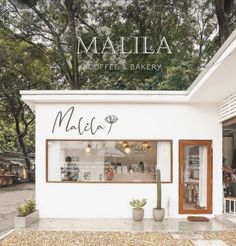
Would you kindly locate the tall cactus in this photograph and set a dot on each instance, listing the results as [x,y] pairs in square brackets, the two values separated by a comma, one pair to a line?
[158,181]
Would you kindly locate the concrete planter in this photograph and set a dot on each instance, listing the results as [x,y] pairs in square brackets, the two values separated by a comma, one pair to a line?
[158,214]
[23,222]
[138,214]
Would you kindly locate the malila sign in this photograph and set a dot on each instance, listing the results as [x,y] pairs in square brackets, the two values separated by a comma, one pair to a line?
[64,121]
[109,46]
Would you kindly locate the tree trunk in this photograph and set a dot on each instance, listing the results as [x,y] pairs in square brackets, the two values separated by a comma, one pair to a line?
[74,45]
[21,142]
[25,152]
[222,21]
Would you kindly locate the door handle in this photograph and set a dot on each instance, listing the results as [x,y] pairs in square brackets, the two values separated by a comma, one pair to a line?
[182,174]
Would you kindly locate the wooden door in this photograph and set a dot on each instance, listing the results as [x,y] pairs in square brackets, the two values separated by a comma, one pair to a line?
[195,176]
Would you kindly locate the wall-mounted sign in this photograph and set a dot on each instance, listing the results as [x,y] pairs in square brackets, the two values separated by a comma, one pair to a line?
[109,46]
[65,121]
[139,149]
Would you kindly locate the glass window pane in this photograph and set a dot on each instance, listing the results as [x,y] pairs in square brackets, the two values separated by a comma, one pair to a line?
[195,177]
[103,161]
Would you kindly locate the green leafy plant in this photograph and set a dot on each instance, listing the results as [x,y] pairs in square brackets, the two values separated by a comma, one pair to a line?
[138,204]
[26,208]
[158,182]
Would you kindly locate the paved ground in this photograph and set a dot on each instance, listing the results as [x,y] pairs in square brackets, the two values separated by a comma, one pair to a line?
[10,198]
[128,225]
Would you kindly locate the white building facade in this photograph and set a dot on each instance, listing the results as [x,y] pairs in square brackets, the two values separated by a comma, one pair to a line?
[97,150]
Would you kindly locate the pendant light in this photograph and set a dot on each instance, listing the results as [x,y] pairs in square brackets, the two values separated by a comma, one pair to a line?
[124,144]
[87,148]
[145,145]
[127,149]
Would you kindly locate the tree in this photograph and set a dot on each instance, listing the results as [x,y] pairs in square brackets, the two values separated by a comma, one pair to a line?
[39,49]
[189,26]
[225,12]
[55,24]
[21,67]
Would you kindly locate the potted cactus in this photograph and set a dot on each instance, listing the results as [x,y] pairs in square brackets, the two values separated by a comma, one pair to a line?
[158,212]
[138,211]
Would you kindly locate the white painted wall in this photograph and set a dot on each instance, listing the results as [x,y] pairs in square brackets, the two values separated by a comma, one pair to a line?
[136,121]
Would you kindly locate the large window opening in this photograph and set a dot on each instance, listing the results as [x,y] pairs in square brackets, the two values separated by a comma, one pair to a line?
[108,161]
[229,165]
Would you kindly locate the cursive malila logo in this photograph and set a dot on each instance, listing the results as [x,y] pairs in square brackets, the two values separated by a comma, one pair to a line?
[69,122]
[111,119]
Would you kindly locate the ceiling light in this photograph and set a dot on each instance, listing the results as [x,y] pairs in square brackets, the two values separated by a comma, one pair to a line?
[127,149]
[87,148]
[124,144]
[146,145]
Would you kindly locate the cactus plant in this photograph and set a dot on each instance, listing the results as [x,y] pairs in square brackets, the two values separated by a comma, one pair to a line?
[158,212]
[158,182]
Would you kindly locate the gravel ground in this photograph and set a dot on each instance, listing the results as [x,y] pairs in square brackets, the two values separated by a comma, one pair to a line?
[40,238]
[55,238]
[229,237]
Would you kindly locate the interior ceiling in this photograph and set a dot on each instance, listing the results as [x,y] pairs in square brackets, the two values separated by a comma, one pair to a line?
[81,144]
[229,130]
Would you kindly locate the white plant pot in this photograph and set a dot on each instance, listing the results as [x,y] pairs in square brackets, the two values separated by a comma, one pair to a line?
[158,214]
[23,222]
[138,214]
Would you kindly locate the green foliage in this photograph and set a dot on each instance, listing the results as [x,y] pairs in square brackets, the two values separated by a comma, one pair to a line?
[188,34]
[22,67]
[26,208]
[138,204]
[158,182]
[8,139]
[38,41]
[53,26]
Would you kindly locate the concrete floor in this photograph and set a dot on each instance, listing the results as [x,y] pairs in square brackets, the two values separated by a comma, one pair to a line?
[10,198]
[148,225]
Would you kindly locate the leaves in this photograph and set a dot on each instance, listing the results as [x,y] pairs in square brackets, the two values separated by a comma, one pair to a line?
[39,50]
[26,208]
[138,204]
[190,27]
[22,67]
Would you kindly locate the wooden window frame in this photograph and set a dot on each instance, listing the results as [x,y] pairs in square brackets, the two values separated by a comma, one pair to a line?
[104,182]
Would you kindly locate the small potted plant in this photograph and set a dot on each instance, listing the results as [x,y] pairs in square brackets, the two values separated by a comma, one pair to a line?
[138,211]
[27,214]
[158,212]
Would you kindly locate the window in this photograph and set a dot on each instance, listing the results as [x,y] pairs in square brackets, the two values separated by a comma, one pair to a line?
[195,176]
[108,161]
